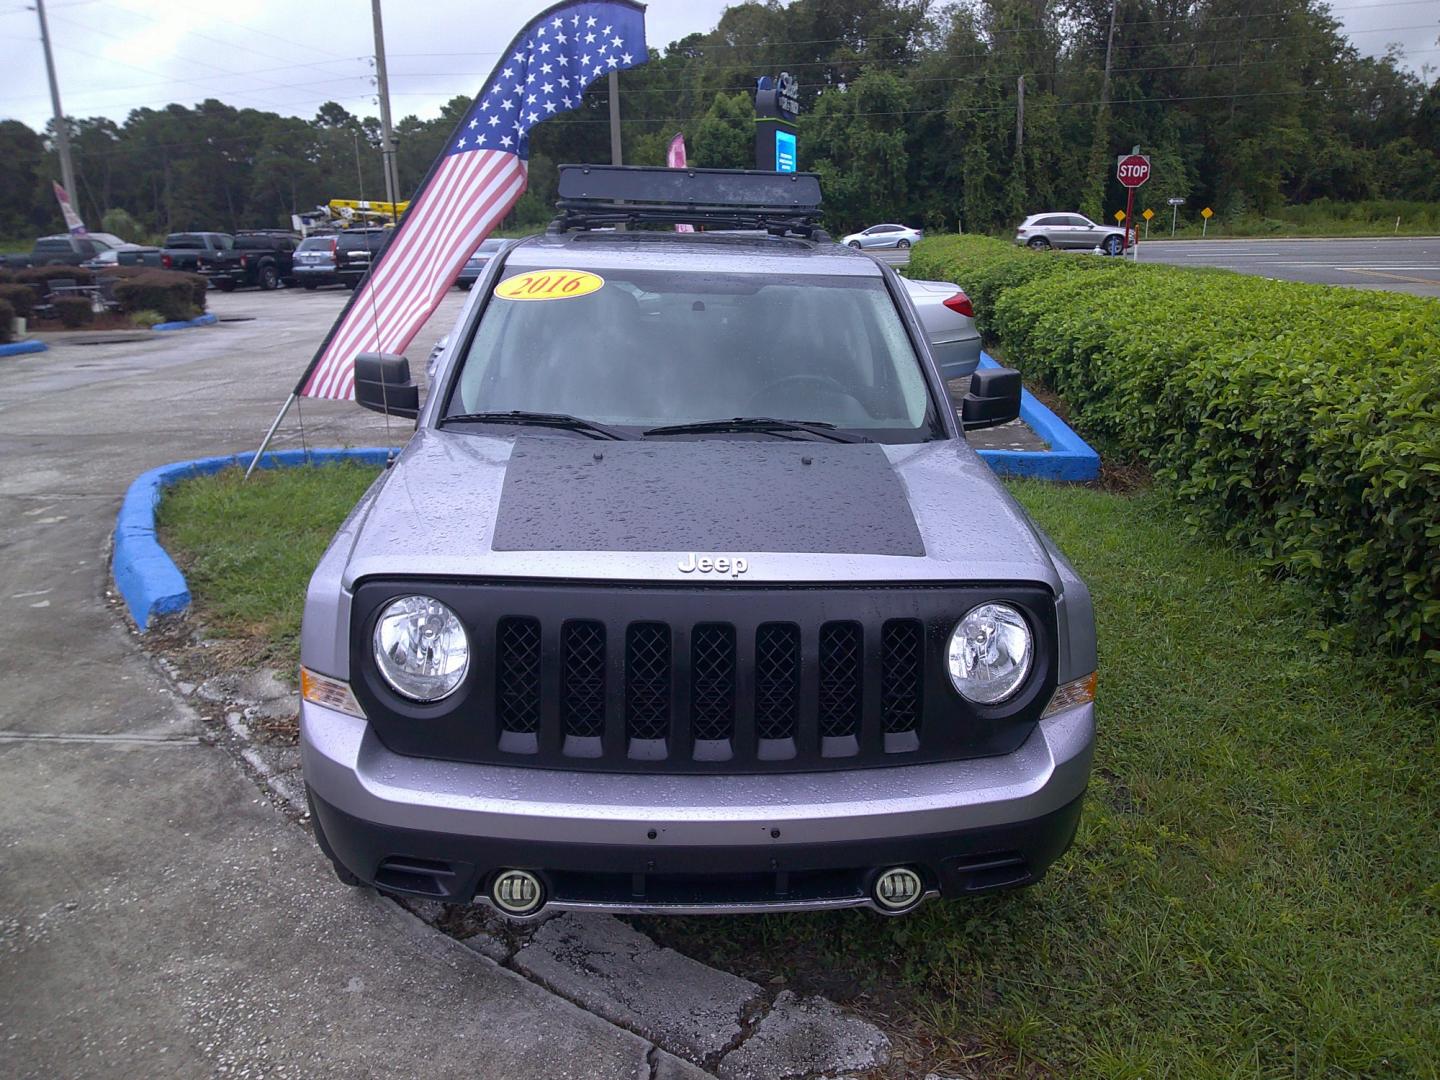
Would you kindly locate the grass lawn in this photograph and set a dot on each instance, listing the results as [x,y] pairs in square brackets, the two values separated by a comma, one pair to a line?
[1255,890]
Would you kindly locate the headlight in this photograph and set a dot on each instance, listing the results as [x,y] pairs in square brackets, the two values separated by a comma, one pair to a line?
[989,653]
[421,648]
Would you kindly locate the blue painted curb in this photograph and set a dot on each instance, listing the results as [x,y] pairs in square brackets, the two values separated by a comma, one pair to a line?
[145,575]
[1069,458]
[15,348]
[199,320]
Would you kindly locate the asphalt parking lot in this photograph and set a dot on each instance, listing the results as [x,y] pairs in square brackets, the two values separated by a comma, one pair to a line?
[1399,264]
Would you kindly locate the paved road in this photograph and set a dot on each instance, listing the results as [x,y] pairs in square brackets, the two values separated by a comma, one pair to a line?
[1401,264]
[157,917]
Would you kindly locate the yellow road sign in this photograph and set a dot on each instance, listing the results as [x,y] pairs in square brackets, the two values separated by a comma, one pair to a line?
[1119,215]
[1148,214]
[1207,213]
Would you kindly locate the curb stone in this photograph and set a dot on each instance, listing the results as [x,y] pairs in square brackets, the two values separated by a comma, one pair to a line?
[186,324]
[620,974]
[800,1037]
[15,348]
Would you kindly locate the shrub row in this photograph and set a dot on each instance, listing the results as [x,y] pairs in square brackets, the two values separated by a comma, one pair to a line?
[1302,420]
[21,299]
[174,295]
[6,314]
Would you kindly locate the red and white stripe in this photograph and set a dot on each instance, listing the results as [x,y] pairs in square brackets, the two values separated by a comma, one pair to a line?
[466,198]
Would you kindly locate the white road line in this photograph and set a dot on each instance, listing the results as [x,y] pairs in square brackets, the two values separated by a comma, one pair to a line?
[1403,266]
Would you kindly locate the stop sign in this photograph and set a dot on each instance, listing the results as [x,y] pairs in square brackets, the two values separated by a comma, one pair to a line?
[1132,170]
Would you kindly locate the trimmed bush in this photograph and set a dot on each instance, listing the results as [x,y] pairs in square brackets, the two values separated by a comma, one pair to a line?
[74,311]
[7,277]
[172,295]
[21,299]
[1301,420]
[6,314]
[43,275]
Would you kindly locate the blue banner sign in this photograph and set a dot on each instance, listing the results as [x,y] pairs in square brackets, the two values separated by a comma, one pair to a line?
[784,151]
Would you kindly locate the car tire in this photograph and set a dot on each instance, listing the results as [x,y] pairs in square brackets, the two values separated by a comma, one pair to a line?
[225,286]
[309,286]
[855,244]
[1038,244]
[464,286]
[268,279]
[1112,246]
[903,244]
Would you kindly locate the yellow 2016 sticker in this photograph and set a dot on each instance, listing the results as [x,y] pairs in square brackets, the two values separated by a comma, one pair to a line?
[549,285]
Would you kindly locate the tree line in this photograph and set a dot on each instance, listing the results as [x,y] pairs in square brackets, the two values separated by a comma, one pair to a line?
[912,111]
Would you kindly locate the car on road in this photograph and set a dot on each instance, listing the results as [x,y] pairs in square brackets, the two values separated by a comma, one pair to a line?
[949,320]
[1069,231]
[184,251]
[104,260]
[338,258]
[688,595]
[263,258]
[884,236]
[476,262]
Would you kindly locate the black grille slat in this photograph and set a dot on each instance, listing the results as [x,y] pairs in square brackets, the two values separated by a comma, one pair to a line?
[712,682]
[517,675]
[777,680]
[902,675]
[647,681]
[582,698]
[841,664]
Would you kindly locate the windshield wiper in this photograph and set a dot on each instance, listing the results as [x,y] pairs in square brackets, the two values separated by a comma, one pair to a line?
[539,419]
[819,428]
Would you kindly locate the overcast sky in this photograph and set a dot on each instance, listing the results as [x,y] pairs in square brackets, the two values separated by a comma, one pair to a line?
[290,56]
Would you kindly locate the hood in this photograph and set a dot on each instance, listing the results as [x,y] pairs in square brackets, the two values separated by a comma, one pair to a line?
[554,506]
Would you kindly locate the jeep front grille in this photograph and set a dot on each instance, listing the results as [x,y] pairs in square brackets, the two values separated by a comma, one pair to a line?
[721,679]
[713,677]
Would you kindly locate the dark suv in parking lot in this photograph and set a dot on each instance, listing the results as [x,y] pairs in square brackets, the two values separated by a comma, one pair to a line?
[337,258]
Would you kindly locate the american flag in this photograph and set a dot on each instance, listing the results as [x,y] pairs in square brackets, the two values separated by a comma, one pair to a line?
[476,180]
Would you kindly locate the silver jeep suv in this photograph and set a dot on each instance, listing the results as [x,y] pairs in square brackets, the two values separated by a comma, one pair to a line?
[688,594]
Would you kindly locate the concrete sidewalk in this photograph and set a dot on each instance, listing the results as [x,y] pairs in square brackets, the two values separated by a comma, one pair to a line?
[157,916]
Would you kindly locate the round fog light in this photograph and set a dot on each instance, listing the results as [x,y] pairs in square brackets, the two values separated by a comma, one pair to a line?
[898,889]
[517,892]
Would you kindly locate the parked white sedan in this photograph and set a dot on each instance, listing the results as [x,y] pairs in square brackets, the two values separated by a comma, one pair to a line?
[949,320]
[884,236]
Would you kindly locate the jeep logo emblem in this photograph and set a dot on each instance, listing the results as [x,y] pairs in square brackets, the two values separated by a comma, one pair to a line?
[706,565]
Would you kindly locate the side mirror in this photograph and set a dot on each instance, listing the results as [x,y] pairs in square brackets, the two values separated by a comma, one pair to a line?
[383,384]
[994,398]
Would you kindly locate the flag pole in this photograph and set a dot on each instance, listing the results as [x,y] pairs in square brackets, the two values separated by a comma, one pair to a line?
[270,434]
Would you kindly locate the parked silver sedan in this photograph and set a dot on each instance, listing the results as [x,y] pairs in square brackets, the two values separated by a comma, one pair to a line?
[949,320]
[884,236]
[1073,231]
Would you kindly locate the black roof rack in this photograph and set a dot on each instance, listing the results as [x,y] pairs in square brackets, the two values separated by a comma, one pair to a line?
[779,203]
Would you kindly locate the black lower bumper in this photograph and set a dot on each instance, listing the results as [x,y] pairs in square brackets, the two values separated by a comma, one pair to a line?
[454,869]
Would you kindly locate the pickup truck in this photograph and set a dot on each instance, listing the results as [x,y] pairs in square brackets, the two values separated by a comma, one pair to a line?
[62,249]
[181,251]
[258,258]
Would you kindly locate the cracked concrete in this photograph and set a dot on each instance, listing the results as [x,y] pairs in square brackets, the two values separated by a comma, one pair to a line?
[622,975]
[805,1036]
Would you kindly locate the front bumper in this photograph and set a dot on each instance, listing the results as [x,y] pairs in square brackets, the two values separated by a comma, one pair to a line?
[693,843]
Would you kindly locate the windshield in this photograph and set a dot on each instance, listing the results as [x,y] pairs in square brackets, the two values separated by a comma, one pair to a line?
[645,349]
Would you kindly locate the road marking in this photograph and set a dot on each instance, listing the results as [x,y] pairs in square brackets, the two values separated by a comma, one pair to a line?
[140,740]
[1392,277]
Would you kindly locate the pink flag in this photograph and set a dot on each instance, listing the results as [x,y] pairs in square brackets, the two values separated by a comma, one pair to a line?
[73,223]
[675,158]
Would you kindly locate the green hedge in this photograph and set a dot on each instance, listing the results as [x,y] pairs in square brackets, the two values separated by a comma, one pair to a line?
[43,275]
[1302,420]
[174,295]
[21,299]
[6,314]
[74,311]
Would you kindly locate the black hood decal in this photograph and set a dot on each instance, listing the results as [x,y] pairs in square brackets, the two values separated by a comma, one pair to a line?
[713,495]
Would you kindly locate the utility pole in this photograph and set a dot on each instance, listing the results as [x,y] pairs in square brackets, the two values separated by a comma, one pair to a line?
[387,140]
[615,119]
[62,133]
[1019,116]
